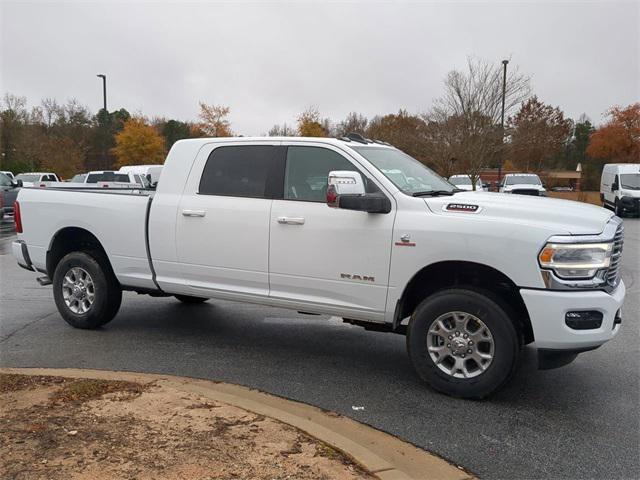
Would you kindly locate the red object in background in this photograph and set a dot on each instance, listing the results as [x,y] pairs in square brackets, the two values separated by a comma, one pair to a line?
[17,218]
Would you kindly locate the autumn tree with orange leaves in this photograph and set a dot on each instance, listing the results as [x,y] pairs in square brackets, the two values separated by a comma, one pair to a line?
[213,121]
[618,140]
[538,132]
[138,144]
[310,124]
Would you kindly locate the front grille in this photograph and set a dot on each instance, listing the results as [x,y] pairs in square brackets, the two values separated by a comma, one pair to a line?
[613,274]
[526,191]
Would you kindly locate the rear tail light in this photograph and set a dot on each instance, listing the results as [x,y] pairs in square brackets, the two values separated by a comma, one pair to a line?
[17,217]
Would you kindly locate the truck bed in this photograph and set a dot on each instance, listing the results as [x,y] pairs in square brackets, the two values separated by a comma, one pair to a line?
[118,217]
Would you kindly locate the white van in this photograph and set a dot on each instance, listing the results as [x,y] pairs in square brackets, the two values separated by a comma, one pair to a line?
[147,170]
[620,188]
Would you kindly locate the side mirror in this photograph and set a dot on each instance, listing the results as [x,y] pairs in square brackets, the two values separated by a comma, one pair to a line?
[18,184]
[614,187]
[345,190]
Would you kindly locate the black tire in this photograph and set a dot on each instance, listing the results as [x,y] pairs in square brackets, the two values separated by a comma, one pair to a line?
[106,290]
[191,300]
[496,317]
[617,209]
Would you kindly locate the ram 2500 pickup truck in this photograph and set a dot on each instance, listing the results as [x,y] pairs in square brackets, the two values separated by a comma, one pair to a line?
[329,226]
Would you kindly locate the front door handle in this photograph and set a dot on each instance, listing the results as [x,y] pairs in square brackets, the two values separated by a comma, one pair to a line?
[193,213]
[291,220]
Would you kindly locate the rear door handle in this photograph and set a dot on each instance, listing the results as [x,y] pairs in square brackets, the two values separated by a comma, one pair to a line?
[193,213]
[291,220]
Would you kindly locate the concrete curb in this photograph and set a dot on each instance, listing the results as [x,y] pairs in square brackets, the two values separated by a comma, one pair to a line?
[384,455]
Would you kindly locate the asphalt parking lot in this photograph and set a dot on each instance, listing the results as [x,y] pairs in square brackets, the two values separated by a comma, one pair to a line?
[581,421]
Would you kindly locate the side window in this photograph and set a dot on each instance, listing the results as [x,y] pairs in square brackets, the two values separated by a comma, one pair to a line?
[307,171]
[616,181]
[240,171]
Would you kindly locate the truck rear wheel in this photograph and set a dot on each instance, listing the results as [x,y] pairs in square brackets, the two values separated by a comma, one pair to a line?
[85,290]
[463,343]
[190,299]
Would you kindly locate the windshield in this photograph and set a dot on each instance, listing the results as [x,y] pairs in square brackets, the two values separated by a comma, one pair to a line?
[406,173]
[28,178]
[523,179]
[630,181]
[107,177]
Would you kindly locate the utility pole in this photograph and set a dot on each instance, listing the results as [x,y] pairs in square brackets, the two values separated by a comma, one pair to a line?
[105,119]
[504,92]
[104,90]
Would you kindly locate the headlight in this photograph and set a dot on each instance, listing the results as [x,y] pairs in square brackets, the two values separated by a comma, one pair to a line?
[575,260]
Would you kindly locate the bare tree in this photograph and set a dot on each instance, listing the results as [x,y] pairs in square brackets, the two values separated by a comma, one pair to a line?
[283,130]
[354,123]
[479,90]
[471,108]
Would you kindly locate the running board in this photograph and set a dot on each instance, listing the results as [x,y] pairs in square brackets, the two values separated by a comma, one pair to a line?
[43,281]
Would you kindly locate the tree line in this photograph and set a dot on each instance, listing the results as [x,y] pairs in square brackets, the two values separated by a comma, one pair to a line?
[461,133]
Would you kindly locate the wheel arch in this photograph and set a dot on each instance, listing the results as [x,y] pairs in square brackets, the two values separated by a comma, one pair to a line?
[446,274]
[74,239]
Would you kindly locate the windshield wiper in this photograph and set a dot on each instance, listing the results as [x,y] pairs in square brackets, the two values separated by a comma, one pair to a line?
[435,193]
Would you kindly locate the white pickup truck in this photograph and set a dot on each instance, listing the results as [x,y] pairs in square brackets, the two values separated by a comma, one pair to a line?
[319,226]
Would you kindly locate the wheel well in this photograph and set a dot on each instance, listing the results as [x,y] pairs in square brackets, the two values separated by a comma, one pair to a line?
[73,239]
[455,273]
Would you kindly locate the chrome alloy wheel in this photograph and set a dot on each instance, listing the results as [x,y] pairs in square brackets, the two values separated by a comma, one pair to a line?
[78,290]
[460,344]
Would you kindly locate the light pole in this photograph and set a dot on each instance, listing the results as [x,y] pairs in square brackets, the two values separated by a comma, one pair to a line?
[104,90]
[504,92]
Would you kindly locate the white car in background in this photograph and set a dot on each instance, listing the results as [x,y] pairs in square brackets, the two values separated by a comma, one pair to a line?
[8,174]
[523,184]
[37,179]
[150,172]
[463,182]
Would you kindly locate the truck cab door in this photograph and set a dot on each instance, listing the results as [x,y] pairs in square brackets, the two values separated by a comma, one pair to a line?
[326,258]
[222,224]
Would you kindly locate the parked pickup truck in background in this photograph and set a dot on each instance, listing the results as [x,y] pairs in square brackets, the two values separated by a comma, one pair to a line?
[35,179]
[9,189]
[328,226]
[111,176]
[523,184]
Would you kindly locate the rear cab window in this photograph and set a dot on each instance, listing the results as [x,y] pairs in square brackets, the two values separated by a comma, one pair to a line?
[252,171]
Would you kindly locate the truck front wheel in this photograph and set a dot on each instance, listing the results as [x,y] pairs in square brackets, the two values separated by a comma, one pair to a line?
[85,290]
[463,343]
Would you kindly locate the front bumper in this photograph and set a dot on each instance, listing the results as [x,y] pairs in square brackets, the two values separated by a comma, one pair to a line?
[630,204]
[547,310]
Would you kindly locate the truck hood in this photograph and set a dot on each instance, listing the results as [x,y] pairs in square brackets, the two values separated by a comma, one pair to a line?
[557,215]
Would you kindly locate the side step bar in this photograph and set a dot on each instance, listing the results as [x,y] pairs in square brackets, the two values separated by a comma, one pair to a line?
[43,281]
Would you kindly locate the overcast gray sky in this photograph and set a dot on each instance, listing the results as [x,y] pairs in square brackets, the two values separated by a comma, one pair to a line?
[270,60]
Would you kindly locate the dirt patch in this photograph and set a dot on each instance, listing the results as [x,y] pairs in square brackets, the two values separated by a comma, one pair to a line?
[57,428]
